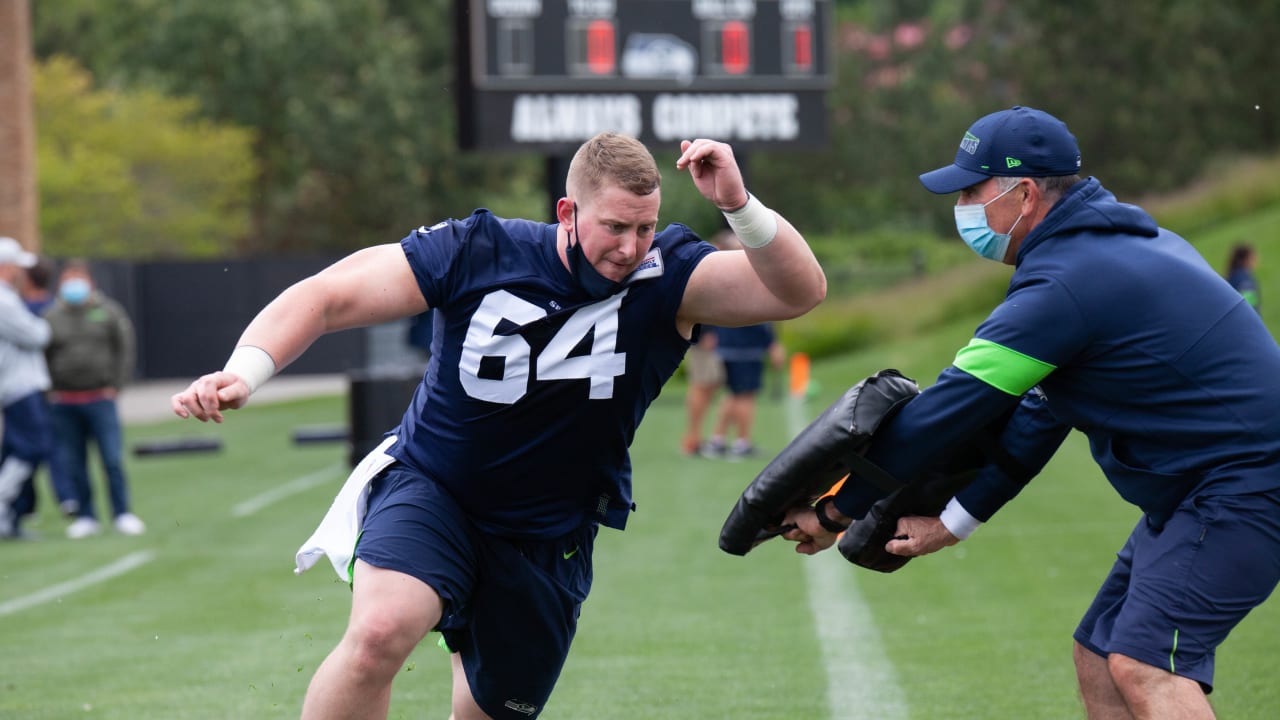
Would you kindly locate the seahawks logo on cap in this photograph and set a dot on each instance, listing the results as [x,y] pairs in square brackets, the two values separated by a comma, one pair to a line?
[970,143]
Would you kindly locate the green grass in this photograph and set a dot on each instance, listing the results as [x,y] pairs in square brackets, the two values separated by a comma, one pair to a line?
[216,626]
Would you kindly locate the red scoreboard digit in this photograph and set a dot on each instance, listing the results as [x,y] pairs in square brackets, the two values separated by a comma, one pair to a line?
[602,47]
[735,47]
[801,56]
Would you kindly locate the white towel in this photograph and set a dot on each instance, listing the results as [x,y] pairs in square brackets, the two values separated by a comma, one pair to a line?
[337,533]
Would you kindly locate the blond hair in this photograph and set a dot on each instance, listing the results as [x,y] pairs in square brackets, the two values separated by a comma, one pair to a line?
[612,159]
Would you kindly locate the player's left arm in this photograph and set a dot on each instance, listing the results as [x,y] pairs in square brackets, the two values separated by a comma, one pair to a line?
[774,277]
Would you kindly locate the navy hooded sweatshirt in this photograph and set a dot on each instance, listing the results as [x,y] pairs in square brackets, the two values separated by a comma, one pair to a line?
[1134,340]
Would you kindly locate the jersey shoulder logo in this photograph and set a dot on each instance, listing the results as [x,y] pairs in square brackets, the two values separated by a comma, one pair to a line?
[650,267]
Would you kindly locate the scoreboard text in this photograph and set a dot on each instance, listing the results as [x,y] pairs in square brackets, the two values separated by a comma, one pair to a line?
[548,74]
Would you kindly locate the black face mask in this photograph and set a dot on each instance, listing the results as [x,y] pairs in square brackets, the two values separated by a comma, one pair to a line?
[597,286]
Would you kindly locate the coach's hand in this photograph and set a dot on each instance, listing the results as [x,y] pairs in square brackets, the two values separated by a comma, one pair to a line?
[918,536]
[206,397]
[807,532]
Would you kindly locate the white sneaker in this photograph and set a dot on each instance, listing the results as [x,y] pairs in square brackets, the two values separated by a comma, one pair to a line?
[83,527]
[130,524]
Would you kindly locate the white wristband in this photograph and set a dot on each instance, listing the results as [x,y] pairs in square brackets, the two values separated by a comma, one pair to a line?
[251,364]
[753,223]
[958,521]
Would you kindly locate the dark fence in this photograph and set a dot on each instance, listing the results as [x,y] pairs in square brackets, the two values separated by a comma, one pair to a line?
[188,315]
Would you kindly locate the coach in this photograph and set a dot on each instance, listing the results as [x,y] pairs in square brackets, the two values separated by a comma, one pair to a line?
[1135,341]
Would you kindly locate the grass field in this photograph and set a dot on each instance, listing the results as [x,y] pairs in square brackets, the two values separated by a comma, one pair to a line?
[203,618]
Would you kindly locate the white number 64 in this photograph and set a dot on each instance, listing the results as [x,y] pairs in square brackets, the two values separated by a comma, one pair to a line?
[601,366]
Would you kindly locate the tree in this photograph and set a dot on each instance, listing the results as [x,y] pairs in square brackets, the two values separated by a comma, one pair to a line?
[352,101]
[135,173]
[352,104]
[1154,91]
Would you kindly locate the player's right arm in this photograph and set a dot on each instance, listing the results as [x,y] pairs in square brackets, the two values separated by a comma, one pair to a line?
[368,287]
[775,277]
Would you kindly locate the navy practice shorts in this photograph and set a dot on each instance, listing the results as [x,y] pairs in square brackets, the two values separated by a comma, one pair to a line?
[510,606]
[743,377]
[1174,594]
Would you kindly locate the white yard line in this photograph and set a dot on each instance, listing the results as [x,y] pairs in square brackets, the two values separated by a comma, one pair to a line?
[280,492]
[57,592]
[861,682]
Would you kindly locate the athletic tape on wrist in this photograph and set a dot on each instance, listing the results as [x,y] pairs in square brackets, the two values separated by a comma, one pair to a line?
[251,364]
[753,223]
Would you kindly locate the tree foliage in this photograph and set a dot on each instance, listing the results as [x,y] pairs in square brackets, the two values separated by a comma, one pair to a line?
[352,102]
[1152,90]
[135,173]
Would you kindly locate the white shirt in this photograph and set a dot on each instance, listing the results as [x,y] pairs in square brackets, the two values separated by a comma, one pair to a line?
[22,340]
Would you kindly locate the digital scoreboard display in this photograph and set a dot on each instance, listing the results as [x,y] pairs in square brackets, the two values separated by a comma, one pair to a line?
[548,74]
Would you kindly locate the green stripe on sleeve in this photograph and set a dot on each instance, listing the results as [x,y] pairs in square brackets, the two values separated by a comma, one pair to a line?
[1000,367]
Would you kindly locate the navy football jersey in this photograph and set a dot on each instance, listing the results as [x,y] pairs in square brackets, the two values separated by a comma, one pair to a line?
[534,390]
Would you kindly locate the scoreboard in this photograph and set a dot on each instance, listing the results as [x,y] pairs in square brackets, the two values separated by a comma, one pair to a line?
[547,74]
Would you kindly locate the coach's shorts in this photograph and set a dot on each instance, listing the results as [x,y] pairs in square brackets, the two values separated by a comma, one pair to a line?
[704,367]
[1174,595]
[510,606]
[744,377]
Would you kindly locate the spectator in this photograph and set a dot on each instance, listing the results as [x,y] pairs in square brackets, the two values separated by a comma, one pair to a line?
[23,380]
[37,296]
[705,372]
[704,369]
[1244,258]
[37,291]
[90,359]
[742,351]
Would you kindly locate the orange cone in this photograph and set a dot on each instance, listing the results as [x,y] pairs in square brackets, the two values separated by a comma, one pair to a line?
[799,374]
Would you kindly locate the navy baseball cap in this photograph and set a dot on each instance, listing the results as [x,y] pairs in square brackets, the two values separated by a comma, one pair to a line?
[1018,142]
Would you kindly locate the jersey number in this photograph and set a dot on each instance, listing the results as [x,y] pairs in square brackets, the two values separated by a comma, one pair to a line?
[601,366]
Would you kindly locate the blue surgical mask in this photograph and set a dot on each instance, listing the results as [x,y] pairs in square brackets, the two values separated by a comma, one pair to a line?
[971,221]
[589,279]
[74,290]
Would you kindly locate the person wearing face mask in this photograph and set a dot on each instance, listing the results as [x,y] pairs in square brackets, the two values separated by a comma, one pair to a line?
[476,516]
[1118,328]
[90,357]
